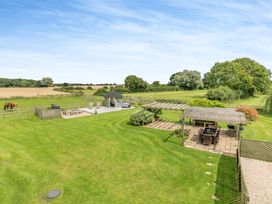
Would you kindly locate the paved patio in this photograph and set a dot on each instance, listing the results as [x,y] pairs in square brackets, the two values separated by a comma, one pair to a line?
[226,144]
[82,112]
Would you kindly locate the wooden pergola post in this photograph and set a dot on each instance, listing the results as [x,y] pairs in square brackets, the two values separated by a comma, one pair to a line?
[182,122]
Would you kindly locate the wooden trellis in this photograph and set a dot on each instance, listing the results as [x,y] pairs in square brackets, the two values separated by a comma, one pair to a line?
[166,106]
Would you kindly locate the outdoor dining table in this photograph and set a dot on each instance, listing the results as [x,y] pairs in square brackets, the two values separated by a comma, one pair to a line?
[210,132]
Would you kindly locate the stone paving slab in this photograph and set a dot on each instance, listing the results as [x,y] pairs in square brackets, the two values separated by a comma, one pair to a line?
[226,145]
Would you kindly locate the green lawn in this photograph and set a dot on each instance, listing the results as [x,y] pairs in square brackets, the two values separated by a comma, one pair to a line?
[185,96]
[102,159]
[259,130]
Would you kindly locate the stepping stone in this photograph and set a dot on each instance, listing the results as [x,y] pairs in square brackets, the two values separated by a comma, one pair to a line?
[209,164]
[53,194]
[214,197]
[208,173]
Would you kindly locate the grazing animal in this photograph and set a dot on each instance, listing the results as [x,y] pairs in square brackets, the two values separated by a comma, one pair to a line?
[10,106]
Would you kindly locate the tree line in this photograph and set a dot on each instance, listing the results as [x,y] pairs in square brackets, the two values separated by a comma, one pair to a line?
[44,82]
[242,77]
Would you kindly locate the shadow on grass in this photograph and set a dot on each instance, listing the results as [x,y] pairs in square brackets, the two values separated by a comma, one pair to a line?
[227,181]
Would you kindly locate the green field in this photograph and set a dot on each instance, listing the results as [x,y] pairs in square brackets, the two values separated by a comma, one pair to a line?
[103,159]
[185,96]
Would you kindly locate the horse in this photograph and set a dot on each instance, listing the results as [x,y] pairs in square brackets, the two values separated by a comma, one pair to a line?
[10,106]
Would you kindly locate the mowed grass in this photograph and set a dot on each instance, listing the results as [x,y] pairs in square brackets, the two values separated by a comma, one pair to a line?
[259,130]
[103,159]
[185,96]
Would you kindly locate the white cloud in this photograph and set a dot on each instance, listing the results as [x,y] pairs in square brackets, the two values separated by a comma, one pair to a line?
[103,42]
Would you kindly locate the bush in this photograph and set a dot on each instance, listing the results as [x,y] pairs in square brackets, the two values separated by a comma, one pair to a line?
[120,89]
[268,103]
[157,111]
[161,87]
[223,93]
[207,103]
[250,112]
[141,118]
[89,88]
[101,92]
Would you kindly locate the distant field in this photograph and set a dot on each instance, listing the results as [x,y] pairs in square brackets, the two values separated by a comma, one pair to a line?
[28,92]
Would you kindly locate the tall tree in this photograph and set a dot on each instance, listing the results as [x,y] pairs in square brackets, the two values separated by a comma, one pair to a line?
[47,81]
[187,79]
[135,84]
[242,74]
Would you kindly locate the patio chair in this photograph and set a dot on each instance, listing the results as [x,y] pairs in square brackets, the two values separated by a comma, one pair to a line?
[207,140]
[90,105]
[217,137]
[200,135]
[98,105]
[231,132]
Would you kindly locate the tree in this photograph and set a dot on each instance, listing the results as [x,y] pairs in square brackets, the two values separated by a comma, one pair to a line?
[156,83]
[243,74]
[222,93]
[47,81]
[188,80]
[135,84]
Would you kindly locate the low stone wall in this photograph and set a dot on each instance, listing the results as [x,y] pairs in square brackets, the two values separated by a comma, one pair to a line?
[47,114]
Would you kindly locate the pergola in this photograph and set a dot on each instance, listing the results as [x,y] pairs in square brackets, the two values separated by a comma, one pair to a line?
[167,106]
[229,115]
[113,98]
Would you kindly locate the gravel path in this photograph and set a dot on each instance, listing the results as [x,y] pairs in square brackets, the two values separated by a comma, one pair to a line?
[258,180]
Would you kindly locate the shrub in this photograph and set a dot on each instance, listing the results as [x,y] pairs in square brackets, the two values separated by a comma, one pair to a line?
[89,88]
[157,111]
[120,89]
[161,87]
[268,103]
[101,92]
[222,93]
[207,103]
[141,118]
[250,112]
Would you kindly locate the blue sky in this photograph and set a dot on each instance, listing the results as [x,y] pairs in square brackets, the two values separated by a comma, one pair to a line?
[96,41]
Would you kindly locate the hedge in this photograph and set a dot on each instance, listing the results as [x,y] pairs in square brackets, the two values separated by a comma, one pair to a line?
[141,118]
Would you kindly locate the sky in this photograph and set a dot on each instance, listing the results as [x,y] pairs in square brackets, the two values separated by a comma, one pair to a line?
[103,41]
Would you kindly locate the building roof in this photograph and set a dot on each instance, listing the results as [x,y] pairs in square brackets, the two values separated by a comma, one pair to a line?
[167,106]
[229,115]
[113,94]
